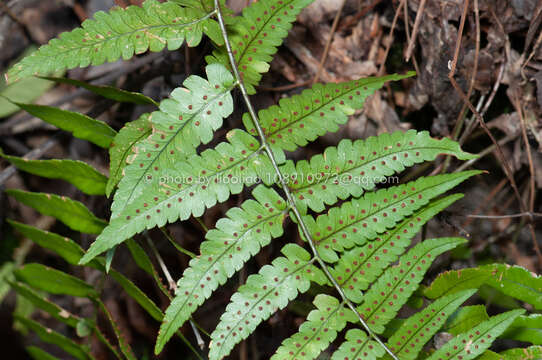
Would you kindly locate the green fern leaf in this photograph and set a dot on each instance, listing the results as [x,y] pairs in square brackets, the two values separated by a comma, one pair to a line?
[316,111]
[358,346]
[122,146]
[64,247]
[81,126]
[45,304]
[530,353]
[320,329]
[80,174]
[352,167]
[54,281]
[526,329]
[408,341]
[39,354]
[72,213]
[52,337]
[471,344]
[271,289]
[394,287]
[203,180]
[352,271]
[255,36]
[119,33]
[185,120]
[359,220]
[513,281]
[465,318]
[456,280]
[237,237]
[108,92]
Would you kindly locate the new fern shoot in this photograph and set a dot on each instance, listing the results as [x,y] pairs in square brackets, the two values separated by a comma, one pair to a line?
[358,235]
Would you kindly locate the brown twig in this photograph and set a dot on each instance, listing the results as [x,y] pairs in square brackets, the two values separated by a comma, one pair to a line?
[528,214]
[461,117]
[354,19]
[489,101]
[390,38]
[407,32]
[532,186]
[328,43]
[26,31]
[419,16]
[504,162]
[487,200]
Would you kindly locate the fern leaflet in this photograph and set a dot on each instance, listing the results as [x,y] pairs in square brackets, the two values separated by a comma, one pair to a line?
[471,344]
[394,287]
[302,118]
[237,237]
[256,35]
[119,33]
[122,146]
[196,184]
[359,267]
[185,120]
[359,220]
[320,329]
[271,289]
[352,167]
[408,341]
[357,344]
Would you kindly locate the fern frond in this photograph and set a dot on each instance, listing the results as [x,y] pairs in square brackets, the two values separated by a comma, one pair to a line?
[359,267]
[195,184]
[320,329]
[302,118]
[255,36]
[122,146]
[418,329]
[465,318]
[529,353]
[514,281]
[50,336]
[353,167]
[263,294]
[237,237]
[359,220]
[471,344]
[78,173]
[72,213]
[526,328]
[358,346]
[118,33]
[185,120]
[394,287]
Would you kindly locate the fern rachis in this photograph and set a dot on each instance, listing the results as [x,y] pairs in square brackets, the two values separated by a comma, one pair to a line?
[353,245]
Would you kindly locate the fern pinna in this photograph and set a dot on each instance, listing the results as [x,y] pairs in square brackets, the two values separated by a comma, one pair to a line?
[360,251]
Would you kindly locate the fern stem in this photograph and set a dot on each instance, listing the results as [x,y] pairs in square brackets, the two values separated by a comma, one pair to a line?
[174,243]
[202,224]
[162,264]
[172,283]
[283,184]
